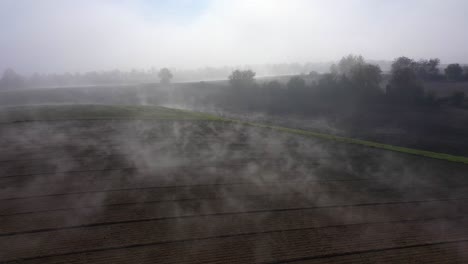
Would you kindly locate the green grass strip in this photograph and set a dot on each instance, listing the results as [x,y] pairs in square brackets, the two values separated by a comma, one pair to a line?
[95,112]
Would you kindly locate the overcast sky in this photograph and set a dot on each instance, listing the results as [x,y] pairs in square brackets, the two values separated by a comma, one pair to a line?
[72,35]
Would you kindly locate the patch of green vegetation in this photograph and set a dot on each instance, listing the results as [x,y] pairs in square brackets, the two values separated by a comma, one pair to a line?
[95,112]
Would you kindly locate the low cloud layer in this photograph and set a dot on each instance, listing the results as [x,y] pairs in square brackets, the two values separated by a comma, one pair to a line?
[59,36]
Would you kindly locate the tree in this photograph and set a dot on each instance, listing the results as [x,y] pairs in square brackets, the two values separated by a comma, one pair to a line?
[404,84]
[402,63]
[423,69]
[433,68]
[274,90]
[296,83]
[427,69]
[358,78]
[165,76]
[242,79]
[457,98]
[243,92]
[314,75]
[298,94]
[11,80]
[366,77]
[348,64]
[454,72]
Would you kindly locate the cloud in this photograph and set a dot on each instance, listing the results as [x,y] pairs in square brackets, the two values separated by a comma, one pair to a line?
[58,36]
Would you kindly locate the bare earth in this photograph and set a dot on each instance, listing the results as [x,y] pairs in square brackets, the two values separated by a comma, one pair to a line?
[198,192]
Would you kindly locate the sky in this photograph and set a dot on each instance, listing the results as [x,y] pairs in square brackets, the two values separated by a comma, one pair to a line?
[48,36]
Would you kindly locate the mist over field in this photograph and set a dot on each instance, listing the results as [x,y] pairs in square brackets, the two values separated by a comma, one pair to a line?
[218,131]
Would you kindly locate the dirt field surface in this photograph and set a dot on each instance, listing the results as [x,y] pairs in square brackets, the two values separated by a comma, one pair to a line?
[161,191]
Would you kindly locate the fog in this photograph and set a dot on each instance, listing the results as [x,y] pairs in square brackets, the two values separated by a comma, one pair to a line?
[245,131]
[69,36]
[161,181]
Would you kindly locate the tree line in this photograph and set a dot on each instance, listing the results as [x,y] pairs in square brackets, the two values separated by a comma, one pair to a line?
[352,82]
[151,75]
[11,80]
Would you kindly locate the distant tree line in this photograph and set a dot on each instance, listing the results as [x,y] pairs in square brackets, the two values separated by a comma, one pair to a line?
[426,70]
[352,82]
[152,75]
[10,80]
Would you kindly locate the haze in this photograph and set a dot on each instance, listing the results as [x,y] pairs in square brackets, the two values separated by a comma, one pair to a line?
[69,36]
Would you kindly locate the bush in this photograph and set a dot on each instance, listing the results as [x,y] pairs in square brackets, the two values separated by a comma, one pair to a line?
[405,85]
[454,72]
[242,79]
[165,75]
[457,99]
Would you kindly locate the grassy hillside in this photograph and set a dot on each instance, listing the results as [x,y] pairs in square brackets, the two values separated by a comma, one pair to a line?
[84,112]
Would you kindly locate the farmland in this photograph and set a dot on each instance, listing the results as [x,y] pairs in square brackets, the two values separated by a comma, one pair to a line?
[245,131]
[135,184]
[443,128]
